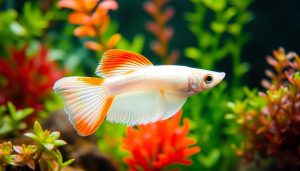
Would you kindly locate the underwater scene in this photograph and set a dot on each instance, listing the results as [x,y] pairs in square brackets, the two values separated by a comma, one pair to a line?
[149,85]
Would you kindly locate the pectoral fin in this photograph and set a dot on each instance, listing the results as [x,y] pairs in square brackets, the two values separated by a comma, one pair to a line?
[174,103]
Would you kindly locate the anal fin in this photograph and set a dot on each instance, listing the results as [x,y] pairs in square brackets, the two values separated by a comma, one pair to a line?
[140,107]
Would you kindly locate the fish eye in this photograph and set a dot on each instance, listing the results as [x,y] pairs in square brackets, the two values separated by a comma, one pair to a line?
[208,79]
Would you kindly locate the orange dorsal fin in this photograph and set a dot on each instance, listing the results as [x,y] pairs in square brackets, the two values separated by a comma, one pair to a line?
[117,62]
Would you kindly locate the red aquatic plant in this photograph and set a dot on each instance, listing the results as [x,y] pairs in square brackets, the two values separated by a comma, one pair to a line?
[93,20]
[271,119]
[163,33]
[158,145]
[26,80]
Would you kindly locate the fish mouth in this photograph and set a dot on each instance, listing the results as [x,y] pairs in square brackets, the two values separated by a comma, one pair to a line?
[221,75]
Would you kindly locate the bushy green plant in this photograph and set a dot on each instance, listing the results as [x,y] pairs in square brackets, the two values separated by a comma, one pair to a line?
[16,29]
[43,153]
[219,29]
[218,26]
[12,120]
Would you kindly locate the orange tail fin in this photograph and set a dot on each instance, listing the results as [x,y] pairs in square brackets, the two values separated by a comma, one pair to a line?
[85,102]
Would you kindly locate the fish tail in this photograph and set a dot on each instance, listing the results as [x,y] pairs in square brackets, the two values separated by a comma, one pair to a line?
[85,102]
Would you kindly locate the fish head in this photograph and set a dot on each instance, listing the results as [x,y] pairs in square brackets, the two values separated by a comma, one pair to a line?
[201,80]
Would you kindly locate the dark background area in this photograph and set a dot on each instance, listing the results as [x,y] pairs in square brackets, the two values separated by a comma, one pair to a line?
[276,24]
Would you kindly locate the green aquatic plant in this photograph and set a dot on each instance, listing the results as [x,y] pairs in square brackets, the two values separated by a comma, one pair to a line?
[46,139]
[270,119]
[6,156]
[221,35]
[43,153]
[17,30]
[12,121]
[218,26]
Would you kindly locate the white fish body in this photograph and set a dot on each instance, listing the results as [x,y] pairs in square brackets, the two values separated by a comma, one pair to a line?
[165,77]
[132,92]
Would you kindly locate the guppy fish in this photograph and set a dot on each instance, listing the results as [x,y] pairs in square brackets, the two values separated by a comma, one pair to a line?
[131,91]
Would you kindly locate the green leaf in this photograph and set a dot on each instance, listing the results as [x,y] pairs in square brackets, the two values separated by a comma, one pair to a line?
[6,125]
[211,159]
[218,27]
[241,5]
[245,17]
[34,20]
[56,54]
[21,114]
[53,104]
[138,43]
[234,28]
[58,156]
[205,40]
[67,163]
[229,13]
[54,135]
[230,116]
[192,17]
[193,53]
[37,129]
[215,5]
[18,29]
[32,136]
[112,29]
[73,60]
[48,146]
[222,52]
[59,142]
[12,110]
[242,69]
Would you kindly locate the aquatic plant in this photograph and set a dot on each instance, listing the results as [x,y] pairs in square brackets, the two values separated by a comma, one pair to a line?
[43,153]
[17,30]
[154,149]
[93,20]
[27,79]
[221,35]
[12,121]
[163,33]
[270,119]
[218,27]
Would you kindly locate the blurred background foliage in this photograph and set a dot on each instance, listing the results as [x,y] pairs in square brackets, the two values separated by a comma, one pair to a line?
[41,41]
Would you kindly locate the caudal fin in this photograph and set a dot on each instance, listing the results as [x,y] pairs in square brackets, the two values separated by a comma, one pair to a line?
[85,102]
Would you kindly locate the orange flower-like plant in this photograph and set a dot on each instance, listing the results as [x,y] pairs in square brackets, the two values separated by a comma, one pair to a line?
[158,27]
[158,145]
[93,20]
